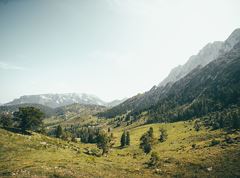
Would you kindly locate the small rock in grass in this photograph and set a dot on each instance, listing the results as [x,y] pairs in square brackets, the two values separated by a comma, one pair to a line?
[158,171]
[209,169]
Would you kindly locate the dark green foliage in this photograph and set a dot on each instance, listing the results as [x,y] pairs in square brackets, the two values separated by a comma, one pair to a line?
[104,142]
[214,142]
[228,139]
[236,120]
[228,118]
[154,160]
[150,132]
[146,141]
[205,90]
[123,139]
[59,131]
[28,118]
[163,135]
[128,138]
[197,125]
[48,112]
[87,134]
[67,135]
[6,120]
[194,145]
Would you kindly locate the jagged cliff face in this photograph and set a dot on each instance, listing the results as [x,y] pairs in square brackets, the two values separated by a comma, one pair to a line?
[207,54]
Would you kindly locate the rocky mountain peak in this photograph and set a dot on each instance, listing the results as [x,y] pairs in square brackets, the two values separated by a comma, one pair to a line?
[208,53]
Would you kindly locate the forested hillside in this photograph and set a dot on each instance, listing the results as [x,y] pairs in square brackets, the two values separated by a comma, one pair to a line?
[204,90]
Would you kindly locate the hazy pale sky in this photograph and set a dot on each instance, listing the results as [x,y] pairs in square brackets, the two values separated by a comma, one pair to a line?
[109,48]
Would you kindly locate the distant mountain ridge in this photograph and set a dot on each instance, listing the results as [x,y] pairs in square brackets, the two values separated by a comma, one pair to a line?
[207,54]
[58,100]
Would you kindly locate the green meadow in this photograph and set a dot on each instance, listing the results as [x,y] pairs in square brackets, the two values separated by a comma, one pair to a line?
[37,155]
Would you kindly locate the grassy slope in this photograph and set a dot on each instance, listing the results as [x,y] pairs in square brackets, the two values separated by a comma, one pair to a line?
[28,155]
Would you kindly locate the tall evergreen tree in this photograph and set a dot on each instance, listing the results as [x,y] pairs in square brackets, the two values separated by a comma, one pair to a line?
[123,139]
[150,132]
[128,138]
[163,135]
[59,131]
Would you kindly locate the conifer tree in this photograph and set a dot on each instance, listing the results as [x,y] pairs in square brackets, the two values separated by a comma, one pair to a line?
[163,135]
[105,142]
[128,138]
[146,141]
[29,118]
[59,131]
[123,139]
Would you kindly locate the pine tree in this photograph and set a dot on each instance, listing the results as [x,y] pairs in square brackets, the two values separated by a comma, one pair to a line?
[163,135]
[154,160]
[146,141]
[150,132]
[123,139]
[128,138]
[59,131]
[104,142]
[29,118]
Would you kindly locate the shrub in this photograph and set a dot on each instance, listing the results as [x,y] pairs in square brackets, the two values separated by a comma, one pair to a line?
[163,135]
[93,152]
[197,125]
[228,139]
[194,145]
[214,142]
[105,142]
[154,160]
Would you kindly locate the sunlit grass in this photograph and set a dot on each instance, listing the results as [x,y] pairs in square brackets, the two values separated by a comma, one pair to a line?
[44,156]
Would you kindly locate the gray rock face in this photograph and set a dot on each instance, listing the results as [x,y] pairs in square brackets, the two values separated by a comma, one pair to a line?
[115,102]
[207,54]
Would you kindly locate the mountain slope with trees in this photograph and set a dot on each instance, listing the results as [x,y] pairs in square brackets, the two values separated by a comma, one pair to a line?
[202,91]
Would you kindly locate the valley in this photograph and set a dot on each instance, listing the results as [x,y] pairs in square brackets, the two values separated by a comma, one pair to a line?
[41,156]
[119,89]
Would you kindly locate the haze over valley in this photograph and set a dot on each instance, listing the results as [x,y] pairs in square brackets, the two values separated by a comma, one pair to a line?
[119,88]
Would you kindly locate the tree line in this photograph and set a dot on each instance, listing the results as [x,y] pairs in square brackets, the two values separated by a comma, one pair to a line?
[26,118]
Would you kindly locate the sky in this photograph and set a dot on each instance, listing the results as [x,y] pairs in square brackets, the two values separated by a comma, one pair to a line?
[110,48]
